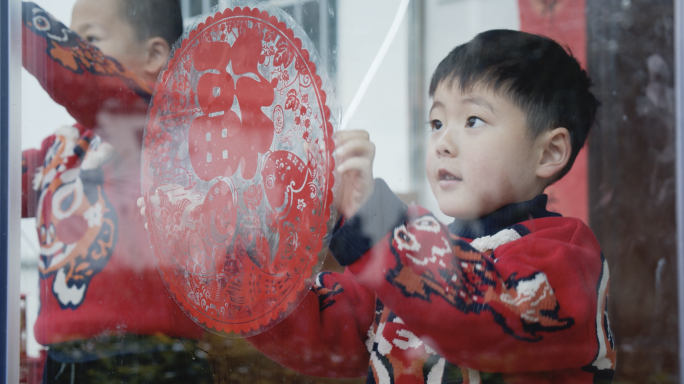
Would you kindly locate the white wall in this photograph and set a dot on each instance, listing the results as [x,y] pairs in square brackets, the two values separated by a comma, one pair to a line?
[453,22]
[383,112]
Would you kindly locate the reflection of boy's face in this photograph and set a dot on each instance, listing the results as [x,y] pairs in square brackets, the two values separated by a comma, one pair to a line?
[101,24]
[480,156]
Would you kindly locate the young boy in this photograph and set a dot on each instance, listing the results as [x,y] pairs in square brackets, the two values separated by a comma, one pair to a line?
[105,313]
[507,293]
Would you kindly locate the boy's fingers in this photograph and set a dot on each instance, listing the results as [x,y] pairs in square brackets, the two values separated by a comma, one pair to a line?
[355,148]
[142,211]
[360,164]
[141,202]
[342,137]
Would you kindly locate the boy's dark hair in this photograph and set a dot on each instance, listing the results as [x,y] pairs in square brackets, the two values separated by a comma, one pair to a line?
[154,18]
[535,73]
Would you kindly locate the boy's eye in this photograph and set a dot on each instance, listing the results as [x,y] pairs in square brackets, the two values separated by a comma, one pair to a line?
[92,39]
[474,122]
[436,125]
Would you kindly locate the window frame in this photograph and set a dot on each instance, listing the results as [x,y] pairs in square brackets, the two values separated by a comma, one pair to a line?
[10,186]
[679,170]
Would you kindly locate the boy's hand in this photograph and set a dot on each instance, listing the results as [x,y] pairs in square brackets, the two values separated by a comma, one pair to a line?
[354,156]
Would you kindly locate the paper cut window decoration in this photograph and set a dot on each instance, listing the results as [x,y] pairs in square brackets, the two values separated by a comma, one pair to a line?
[237,169]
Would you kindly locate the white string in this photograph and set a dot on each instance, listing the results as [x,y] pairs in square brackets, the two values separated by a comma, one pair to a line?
[376,63]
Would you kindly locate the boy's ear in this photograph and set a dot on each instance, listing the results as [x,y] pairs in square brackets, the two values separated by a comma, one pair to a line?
[555,152]
[157,49]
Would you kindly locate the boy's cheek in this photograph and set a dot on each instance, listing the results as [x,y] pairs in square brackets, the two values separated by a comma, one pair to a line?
[430,162]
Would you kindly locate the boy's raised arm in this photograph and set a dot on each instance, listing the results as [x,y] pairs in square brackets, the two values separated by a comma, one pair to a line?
[326,333]
[76,74]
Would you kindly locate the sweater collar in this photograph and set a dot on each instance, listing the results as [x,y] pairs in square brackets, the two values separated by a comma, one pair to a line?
[502,218]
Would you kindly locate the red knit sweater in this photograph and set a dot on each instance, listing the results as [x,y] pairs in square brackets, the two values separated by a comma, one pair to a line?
[522,302]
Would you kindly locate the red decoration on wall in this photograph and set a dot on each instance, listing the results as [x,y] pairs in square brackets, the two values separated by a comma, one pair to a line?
[565,22]
[237,170]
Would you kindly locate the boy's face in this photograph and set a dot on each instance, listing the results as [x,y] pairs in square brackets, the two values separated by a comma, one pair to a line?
[480,156]
[101,24]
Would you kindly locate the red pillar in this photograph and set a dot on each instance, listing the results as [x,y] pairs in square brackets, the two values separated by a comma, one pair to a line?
[565,22]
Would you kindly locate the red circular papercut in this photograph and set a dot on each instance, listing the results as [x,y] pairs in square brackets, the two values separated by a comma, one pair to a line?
[237,170]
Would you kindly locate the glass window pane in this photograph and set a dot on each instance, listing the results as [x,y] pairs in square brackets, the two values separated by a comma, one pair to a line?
[501,184]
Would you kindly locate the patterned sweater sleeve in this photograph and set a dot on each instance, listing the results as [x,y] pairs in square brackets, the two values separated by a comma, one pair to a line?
[326,334]
[530,298]
[76,74]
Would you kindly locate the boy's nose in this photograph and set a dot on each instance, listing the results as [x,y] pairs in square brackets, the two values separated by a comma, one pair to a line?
[446,146]
[444,151]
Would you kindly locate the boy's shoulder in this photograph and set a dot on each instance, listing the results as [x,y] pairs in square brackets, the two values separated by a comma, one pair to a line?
[560,231]
[547,232]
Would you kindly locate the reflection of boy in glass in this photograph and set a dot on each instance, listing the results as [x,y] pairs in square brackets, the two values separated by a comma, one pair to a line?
[105,313]
[508,292]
